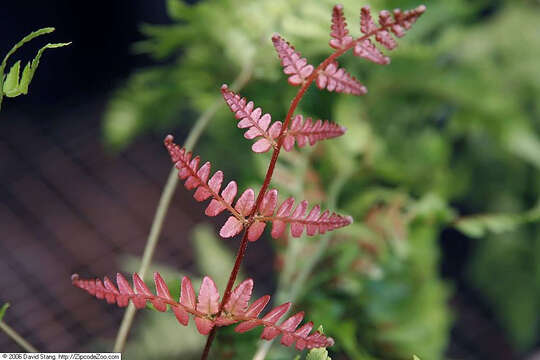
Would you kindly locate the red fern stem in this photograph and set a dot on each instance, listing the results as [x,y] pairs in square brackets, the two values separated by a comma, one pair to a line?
[270,171]
[307,82]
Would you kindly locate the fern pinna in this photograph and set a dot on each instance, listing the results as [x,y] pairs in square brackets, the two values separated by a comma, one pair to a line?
[250,214]
[204,308]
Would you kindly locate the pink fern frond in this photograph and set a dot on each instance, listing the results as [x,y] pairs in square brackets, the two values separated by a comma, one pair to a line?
[337,79]
[209,187]
[367,50]
[339,32]
[302,132]
[314,222]
[367,25]
[257,126]
[293,64]
[397,23]
[205,308]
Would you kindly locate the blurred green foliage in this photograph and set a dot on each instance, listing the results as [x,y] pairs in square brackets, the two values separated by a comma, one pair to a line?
[3,310]
[448,130]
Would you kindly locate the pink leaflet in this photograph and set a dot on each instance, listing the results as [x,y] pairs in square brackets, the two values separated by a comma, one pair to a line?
[216,207]
[311,229]
[269,333]
[261,146]
[276,313]
[257,125]
[161,287]
[386,39]
[293,65]
[269,202]
[278,227]
[232,227]
[187,294]
[208,300]
[255,230]
[181,315]
[308,131]
[298,228]
[246,326]
[289,326]
[140,286]
[367,50]
[245,202]
[339,32]
[338,80]
[258,305]
[204,325]
[366,22]
[238,301]
[292,322]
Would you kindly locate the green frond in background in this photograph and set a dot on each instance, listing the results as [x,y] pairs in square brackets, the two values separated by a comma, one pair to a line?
[14,83]
[449,130]
[3,310]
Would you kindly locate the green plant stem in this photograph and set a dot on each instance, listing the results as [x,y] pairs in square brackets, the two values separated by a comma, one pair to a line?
[297,285]
[17,338]
[165,201]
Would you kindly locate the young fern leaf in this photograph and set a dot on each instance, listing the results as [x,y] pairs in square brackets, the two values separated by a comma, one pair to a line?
[251,119]
[333,78]
[205,307]
[195,177]
[314,222]
[209,187]
[259,126]
[367,50]
[398,24]
[293,64]
[302,132]
[340,33]
[14,84]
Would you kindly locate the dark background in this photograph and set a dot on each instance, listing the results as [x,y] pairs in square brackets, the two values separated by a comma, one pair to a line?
[102,33]
[51,154]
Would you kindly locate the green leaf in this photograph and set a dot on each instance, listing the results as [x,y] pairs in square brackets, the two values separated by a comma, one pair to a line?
[318,354]
[480,225]
[26,39]
[14,86]
[213,258]
[3,310]
[12,79]
[415,357]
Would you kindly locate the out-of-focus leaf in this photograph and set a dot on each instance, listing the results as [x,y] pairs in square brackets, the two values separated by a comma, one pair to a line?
[3,310]
[318,354]
[213,258]
[477,226]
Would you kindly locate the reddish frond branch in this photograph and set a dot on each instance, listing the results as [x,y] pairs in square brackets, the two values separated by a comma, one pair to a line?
[397,24]
[257,125]
[337,79]
[293,64]
[339,32]
[205,307]
[209,187]
[314,221]
[309,131]
[367,50]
